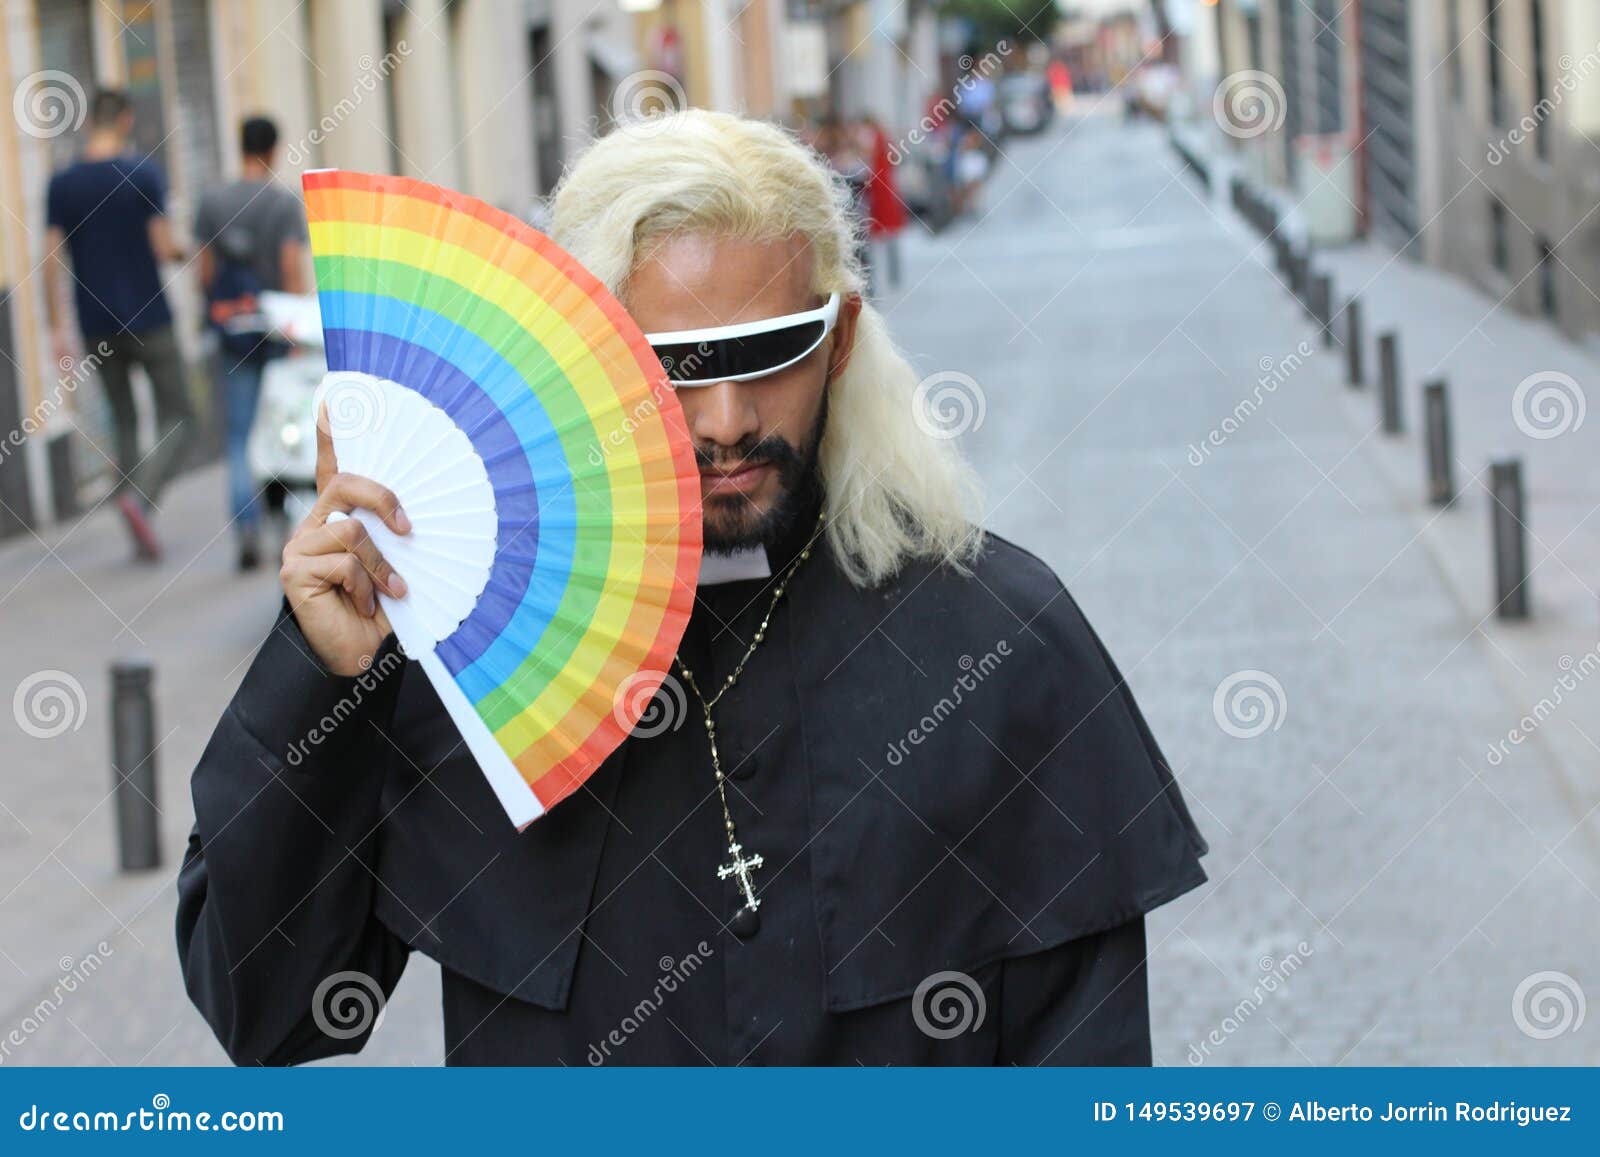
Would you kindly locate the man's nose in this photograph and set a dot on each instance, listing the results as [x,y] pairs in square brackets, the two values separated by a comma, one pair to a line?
[723,413]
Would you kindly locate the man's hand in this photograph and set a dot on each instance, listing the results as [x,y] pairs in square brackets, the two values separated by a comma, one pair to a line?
[332,572]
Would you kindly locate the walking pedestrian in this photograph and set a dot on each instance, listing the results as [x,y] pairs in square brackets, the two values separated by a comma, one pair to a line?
[1060,79]
[886,211]
[971,170]
[252,237]
[107,211]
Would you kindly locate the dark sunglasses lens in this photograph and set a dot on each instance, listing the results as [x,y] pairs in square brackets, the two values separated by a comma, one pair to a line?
[715,361]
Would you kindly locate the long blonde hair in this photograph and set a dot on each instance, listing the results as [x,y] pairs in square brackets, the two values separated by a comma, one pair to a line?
[895,488]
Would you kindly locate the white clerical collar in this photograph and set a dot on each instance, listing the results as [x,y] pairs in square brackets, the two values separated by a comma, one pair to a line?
[749,563]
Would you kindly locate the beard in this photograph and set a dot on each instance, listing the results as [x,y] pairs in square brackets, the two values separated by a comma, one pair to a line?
[735,522]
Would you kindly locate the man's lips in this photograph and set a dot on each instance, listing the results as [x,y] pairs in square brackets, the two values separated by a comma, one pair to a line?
[740,480]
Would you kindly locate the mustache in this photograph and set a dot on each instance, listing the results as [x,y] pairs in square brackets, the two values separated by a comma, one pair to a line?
[771,450]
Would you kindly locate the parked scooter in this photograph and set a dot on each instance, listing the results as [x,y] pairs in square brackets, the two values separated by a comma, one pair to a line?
[283,439]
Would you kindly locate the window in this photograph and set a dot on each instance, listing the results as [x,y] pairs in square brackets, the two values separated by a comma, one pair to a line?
[1547,280]
[1491,35]
[1499,235]
[1542,96]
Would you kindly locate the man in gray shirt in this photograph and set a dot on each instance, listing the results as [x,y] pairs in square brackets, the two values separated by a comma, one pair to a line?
[252,236]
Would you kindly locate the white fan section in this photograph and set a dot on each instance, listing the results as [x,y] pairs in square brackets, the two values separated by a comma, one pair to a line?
[393,435]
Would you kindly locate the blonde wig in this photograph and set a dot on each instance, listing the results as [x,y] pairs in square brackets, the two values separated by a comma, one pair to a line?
[895,488]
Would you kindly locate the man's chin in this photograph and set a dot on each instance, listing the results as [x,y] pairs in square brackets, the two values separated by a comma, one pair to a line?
[734,524]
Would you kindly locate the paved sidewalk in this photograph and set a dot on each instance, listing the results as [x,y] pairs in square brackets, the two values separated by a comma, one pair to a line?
[1486,351]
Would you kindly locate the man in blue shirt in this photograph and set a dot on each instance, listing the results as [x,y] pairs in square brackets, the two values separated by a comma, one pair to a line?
[107,210]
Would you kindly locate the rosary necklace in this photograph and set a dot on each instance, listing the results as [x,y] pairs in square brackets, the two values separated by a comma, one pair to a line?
[739,866]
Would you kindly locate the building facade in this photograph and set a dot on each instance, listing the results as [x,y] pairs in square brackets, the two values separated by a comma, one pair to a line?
[1519,117]
[1472,129]
[492,97]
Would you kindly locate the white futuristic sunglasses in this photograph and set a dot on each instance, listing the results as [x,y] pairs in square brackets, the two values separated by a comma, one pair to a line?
[750,349]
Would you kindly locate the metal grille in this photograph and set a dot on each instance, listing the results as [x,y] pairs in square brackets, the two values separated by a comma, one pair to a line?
[66,43]
[1388,99]
[1327,47]
[1289,51]
[200,146]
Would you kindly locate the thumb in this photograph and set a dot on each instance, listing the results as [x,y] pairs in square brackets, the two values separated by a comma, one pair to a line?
[327,464]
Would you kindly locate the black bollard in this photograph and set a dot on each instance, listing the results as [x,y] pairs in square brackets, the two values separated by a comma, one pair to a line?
[1322,305]
[1299,272]
[133,765]
[1510,538]
[1389,381]
[1354,349]
[1441,471]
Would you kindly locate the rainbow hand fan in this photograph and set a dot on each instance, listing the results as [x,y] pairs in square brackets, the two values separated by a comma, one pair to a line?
[518,413]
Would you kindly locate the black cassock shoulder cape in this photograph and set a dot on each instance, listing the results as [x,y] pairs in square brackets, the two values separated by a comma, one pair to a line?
[973,782]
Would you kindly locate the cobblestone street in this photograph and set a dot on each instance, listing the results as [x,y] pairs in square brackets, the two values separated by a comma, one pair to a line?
[1312,644]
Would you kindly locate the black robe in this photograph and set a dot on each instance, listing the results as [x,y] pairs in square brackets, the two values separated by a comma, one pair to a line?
[962,815]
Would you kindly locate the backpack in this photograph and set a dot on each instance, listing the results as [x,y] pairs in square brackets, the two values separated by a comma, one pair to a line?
[232,305]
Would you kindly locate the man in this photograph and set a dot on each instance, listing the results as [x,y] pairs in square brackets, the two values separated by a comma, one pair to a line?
[252,237]
[945,815]
[108,209]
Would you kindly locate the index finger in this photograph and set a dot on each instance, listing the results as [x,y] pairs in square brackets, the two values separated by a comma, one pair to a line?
[348,492]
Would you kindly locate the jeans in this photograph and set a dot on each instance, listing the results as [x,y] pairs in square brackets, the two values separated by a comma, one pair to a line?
[157,351]
[241,389]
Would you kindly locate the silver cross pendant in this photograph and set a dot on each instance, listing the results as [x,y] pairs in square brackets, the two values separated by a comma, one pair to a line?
[741,867]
